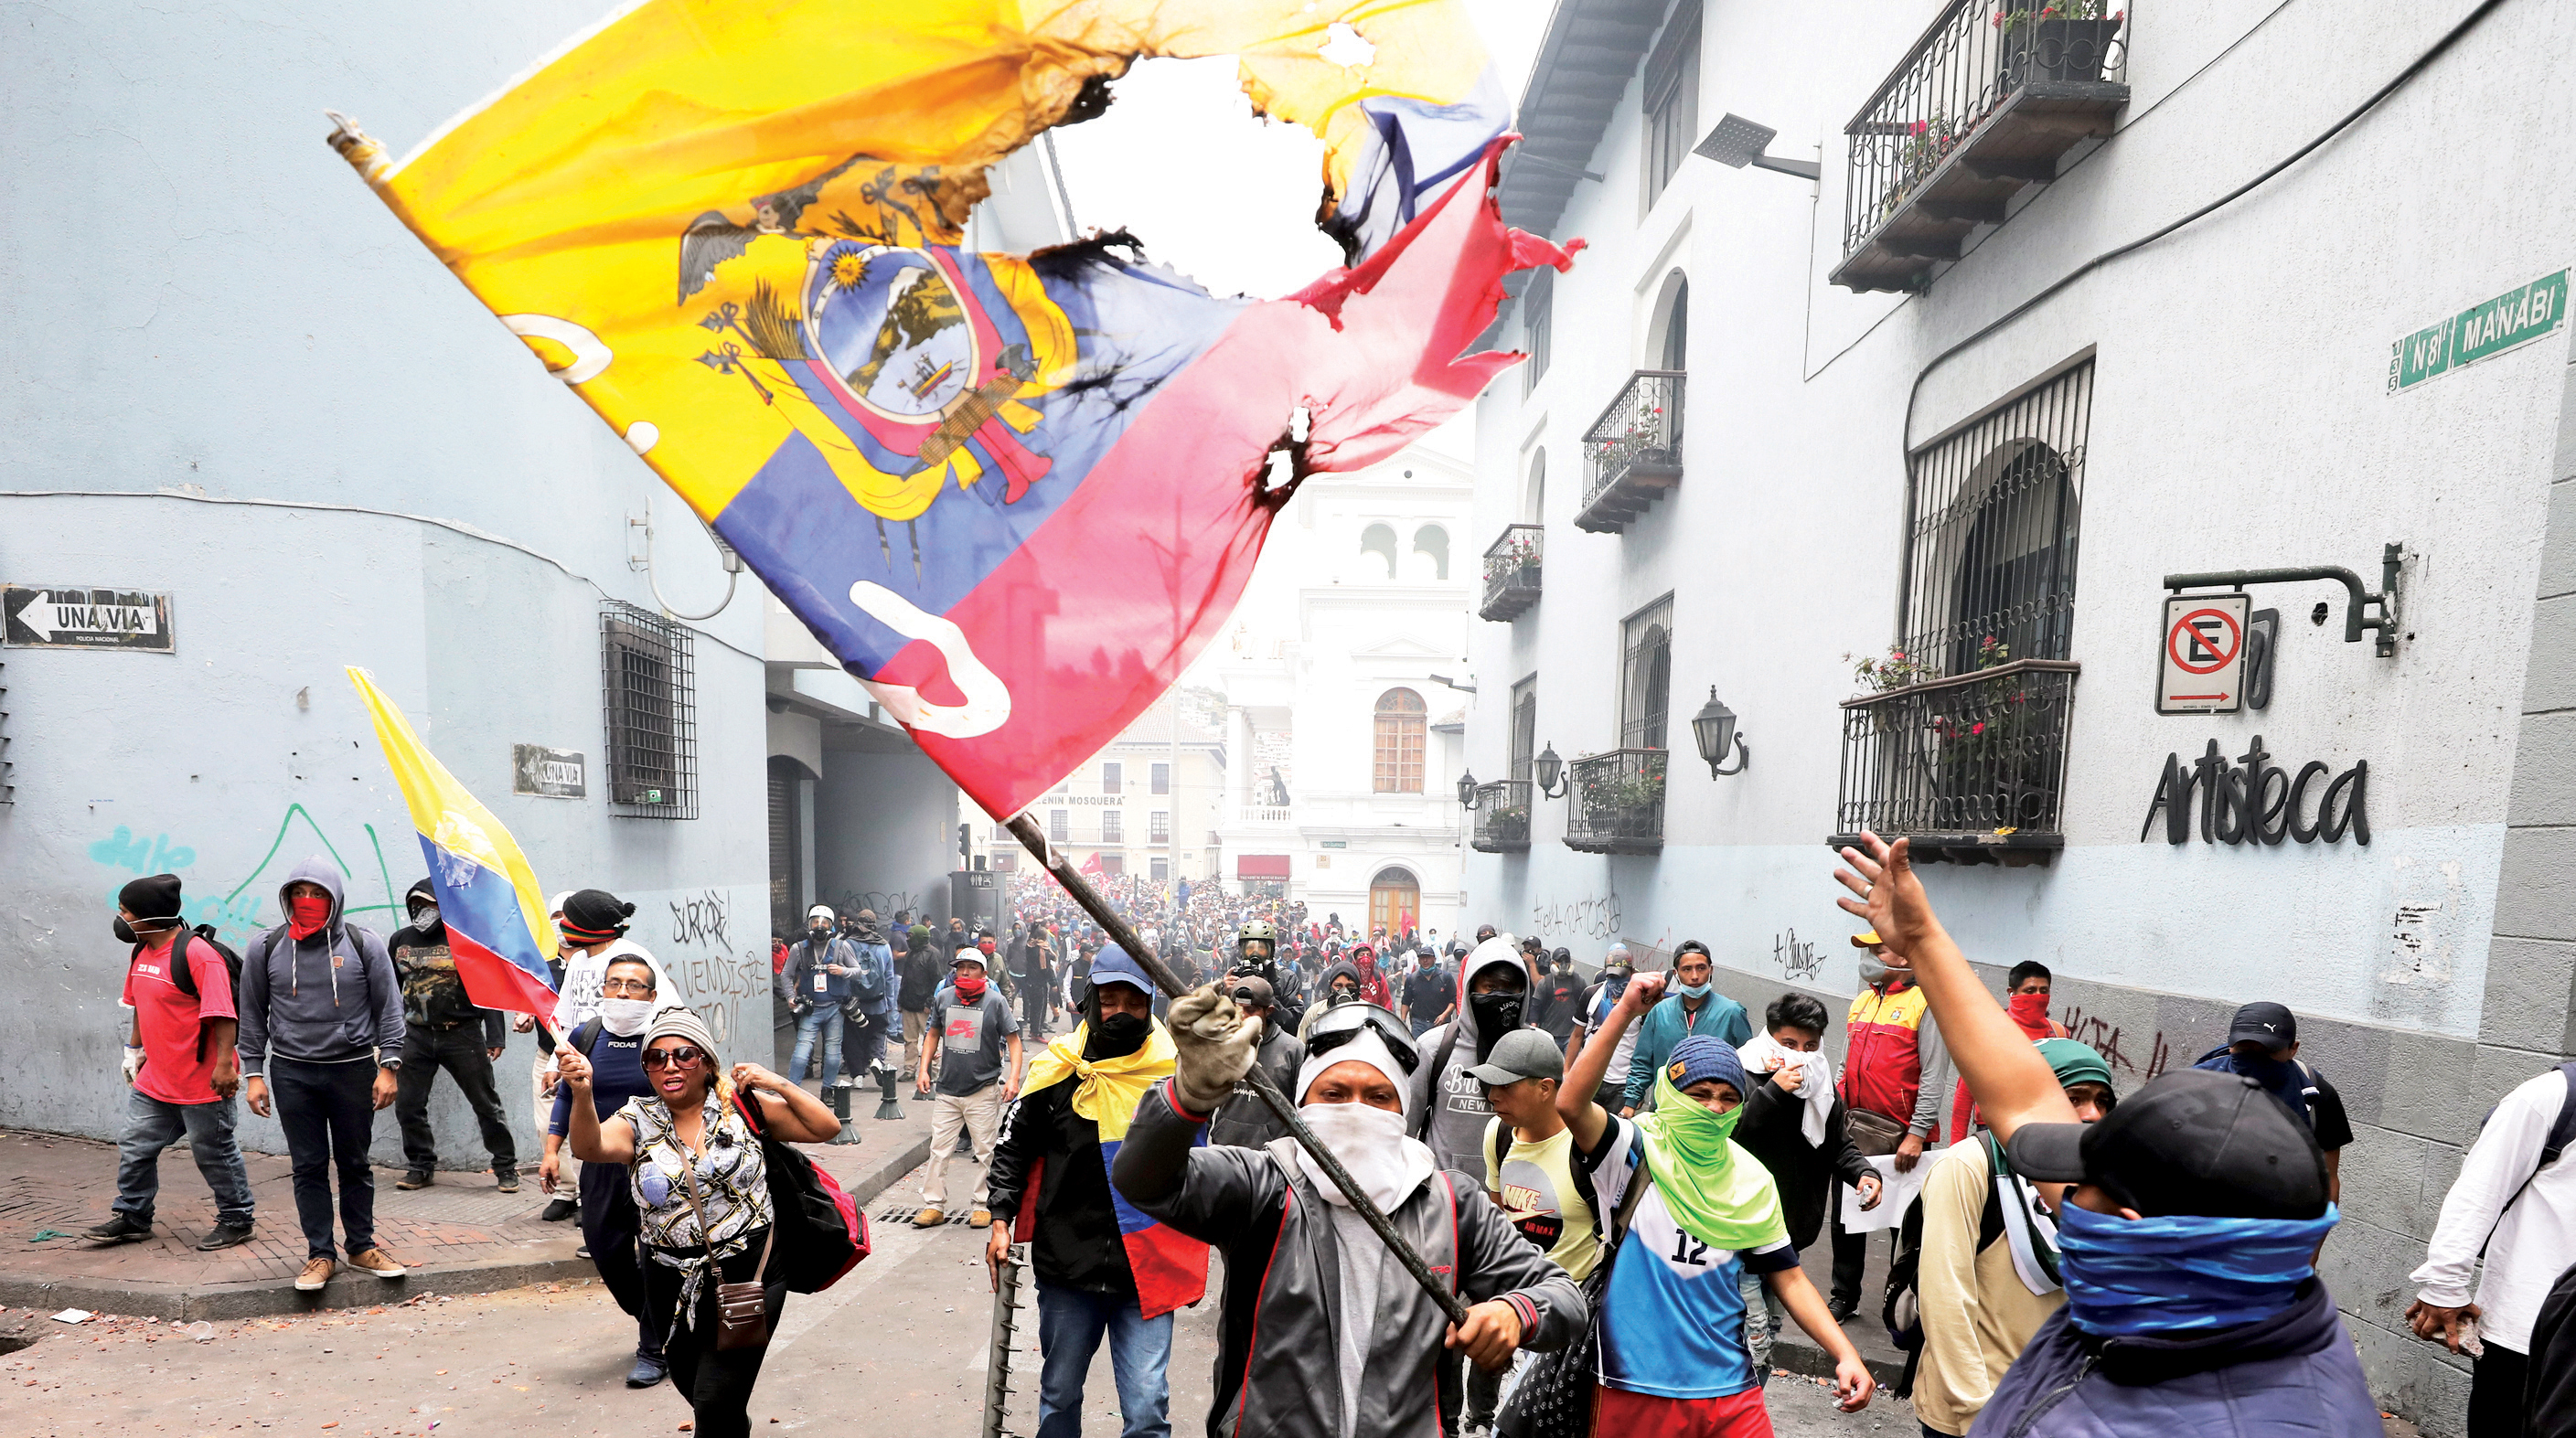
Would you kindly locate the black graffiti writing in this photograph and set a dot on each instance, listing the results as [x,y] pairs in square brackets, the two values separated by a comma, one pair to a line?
[1596,917]
[884,903]
[1796,957]
[705,921]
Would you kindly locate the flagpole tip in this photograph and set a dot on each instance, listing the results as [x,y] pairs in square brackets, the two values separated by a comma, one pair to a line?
[363,151]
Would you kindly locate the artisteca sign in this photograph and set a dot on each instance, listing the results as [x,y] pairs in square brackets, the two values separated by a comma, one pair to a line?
[2249,800]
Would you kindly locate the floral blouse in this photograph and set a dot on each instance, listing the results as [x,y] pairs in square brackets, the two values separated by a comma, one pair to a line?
[733,1179]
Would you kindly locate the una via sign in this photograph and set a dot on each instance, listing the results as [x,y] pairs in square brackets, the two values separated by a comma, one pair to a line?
[2481,331]
[47,617]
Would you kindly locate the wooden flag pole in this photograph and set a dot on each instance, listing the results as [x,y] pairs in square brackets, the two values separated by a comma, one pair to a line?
[1025,829]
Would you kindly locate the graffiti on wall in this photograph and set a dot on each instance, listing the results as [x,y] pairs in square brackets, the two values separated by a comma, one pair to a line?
[2110,1042]
[1797,958]
[703,919]
[236,913]
[884,903]
[713,979]
[1596,917]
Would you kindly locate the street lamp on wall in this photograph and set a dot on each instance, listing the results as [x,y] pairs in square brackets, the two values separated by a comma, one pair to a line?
[1548,769]
[1467,790]
[1714,729]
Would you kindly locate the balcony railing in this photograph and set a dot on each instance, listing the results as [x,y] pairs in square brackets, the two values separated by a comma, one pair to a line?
[1984,104]
[1262,814]
[1633,452]
[1972,768]
[1617,802]
[1502,817]
[1512,572]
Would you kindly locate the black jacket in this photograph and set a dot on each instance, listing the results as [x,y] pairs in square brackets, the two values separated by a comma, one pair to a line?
[1073,1232]
[1773,1130]
[924,969]
[1244,1120]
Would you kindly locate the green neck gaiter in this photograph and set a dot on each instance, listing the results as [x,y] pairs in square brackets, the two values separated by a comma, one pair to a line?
[1717,1192]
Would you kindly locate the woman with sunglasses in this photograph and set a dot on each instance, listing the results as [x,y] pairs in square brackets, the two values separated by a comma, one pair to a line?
[701,1193]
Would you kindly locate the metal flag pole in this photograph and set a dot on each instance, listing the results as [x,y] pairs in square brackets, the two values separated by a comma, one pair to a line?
[1025,829]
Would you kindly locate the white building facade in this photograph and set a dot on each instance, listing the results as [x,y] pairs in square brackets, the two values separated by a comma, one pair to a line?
[1336,679]
[1778,427]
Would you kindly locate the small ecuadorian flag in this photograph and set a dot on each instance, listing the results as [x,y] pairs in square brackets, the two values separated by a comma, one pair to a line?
[1170,1267]
[487,895]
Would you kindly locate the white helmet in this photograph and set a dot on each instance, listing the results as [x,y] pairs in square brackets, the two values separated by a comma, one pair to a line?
[820,911]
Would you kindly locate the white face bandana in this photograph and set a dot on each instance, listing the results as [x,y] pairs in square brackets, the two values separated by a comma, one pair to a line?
[625,1017]
[1371,1142]
[1763,1053]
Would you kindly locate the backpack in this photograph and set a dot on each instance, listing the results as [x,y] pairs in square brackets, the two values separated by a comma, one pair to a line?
[185,979]
[869,985]
[2562,1134]
[818,1232]
[1582,1176]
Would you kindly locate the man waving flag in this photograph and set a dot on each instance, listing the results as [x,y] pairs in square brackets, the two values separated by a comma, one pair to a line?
[487,895]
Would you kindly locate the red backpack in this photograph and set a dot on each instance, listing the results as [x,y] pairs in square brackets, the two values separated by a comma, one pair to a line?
[820,1233]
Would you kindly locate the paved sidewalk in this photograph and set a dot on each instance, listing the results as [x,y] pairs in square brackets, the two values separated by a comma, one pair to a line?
[460,1235]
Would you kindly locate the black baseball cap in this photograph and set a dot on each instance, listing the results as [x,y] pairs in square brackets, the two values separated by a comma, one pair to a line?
[2196,1142]
[2271,1025]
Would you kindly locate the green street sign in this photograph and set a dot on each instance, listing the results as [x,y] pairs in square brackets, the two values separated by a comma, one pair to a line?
[2513,318]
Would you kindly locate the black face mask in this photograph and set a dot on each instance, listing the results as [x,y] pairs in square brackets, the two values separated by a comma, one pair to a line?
[1496,1015]
[125,932]
[1342,995]
[1115,1037]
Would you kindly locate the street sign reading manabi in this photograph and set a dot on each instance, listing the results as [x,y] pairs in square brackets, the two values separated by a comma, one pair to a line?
[2513,318]
[547,773]
[2202,667]
[61,617]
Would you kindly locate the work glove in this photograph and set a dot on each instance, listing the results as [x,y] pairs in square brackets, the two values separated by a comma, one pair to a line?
[1215,1042]
[133,1064]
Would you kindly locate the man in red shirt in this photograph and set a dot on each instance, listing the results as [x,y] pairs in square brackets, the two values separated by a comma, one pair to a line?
[179,1057]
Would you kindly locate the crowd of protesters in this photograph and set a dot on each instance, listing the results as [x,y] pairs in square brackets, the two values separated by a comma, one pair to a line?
[1612,1170]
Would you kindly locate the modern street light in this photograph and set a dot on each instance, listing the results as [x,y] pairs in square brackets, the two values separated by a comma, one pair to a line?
[1739,142]
[1714,729]
[1547,769]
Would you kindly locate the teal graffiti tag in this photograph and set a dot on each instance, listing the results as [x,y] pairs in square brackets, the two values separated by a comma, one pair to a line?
[154,856]
[235,916]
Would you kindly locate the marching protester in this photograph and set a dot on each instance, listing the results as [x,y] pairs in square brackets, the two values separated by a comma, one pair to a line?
[1430,997]
[1244,1120]
[1895,1069]
[442,1028]
[593,923]
[2515,1207]
[2263,1045]
[2185,1225]
[1532,1176]
[869,1011]
[611,1046]
[700,1186]
[1050,1183]
[979,1073]
[1617,967]
[2026,1000]
[181,1068]
[815,983]
[1988,1271]
[1373,985]
[924,969]
[541,1074]
[1340,985]
[1448,1105]
[1559,1002]
[1321,1331]
[1691,1006]
[1794,1125]
[1674,1359]
[1033,974]
[322,1024]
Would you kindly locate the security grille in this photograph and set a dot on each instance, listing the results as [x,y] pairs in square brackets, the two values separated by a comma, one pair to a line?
[1646,675]
[1992,511]
[648,679]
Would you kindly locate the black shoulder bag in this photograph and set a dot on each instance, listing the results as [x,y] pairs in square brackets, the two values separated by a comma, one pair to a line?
[1554,1397]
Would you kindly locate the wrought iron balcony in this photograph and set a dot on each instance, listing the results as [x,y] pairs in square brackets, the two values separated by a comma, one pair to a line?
[1512,572]
[1617,802]
[1985,103]
[1633,452]
[1972,768]
[1502,817]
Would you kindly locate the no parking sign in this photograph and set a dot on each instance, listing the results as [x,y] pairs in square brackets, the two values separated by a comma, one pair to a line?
[2202,667]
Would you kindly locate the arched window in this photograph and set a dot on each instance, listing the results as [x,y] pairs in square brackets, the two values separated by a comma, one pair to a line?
[1432,540]
[2016,578]
[1534,498]
[1395,902]
[1398,766]
[1379,539]
[1677,327]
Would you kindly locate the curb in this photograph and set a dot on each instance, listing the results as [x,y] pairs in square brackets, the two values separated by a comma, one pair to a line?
[184,1303]
[1808,1361]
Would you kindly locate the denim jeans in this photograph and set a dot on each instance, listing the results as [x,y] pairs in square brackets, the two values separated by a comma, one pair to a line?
[152,1125]
[1070,1325]
[329,1114]
[824,1019]
[460,1051]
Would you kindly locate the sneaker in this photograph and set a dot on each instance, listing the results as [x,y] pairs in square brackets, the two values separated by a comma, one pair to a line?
[508,1174]
[930,1218]
[981,1218]
[646,1372]
[374,1261]
[559,1210]
[1842,1310]
[118,1229]
[224,1236]
[417,1178]
[582,1252]
[317,1271]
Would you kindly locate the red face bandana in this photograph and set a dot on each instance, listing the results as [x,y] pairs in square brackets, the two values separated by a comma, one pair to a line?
[971,989]
[306,914]
[2031,1012]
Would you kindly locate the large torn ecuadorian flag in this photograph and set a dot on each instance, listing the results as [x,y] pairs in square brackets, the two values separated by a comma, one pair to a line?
[1013,494]
[1170,1267]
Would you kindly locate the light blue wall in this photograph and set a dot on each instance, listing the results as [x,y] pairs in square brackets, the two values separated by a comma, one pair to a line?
[203,298]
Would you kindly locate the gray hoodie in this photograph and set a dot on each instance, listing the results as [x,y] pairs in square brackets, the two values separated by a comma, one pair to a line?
[331,999]
[1449,1107]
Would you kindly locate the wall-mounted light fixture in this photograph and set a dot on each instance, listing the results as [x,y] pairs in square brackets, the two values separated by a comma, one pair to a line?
[1549,770]
[1738,142]
[1714,727]
[1467,790]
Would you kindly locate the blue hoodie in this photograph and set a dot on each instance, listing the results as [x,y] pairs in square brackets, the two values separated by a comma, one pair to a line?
[331,999]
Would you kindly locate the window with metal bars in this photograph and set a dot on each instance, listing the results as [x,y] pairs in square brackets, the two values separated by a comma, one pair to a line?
[786,864]
[1646,675]
[1398,766]
[1536,317]
[1113,826]
[1524,728]
[648,676]
[1672,99]
[1992,512]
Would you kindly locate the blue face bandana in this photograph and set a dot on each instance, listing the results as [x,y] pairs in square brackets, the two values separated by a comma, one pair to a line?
[2181,1273]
